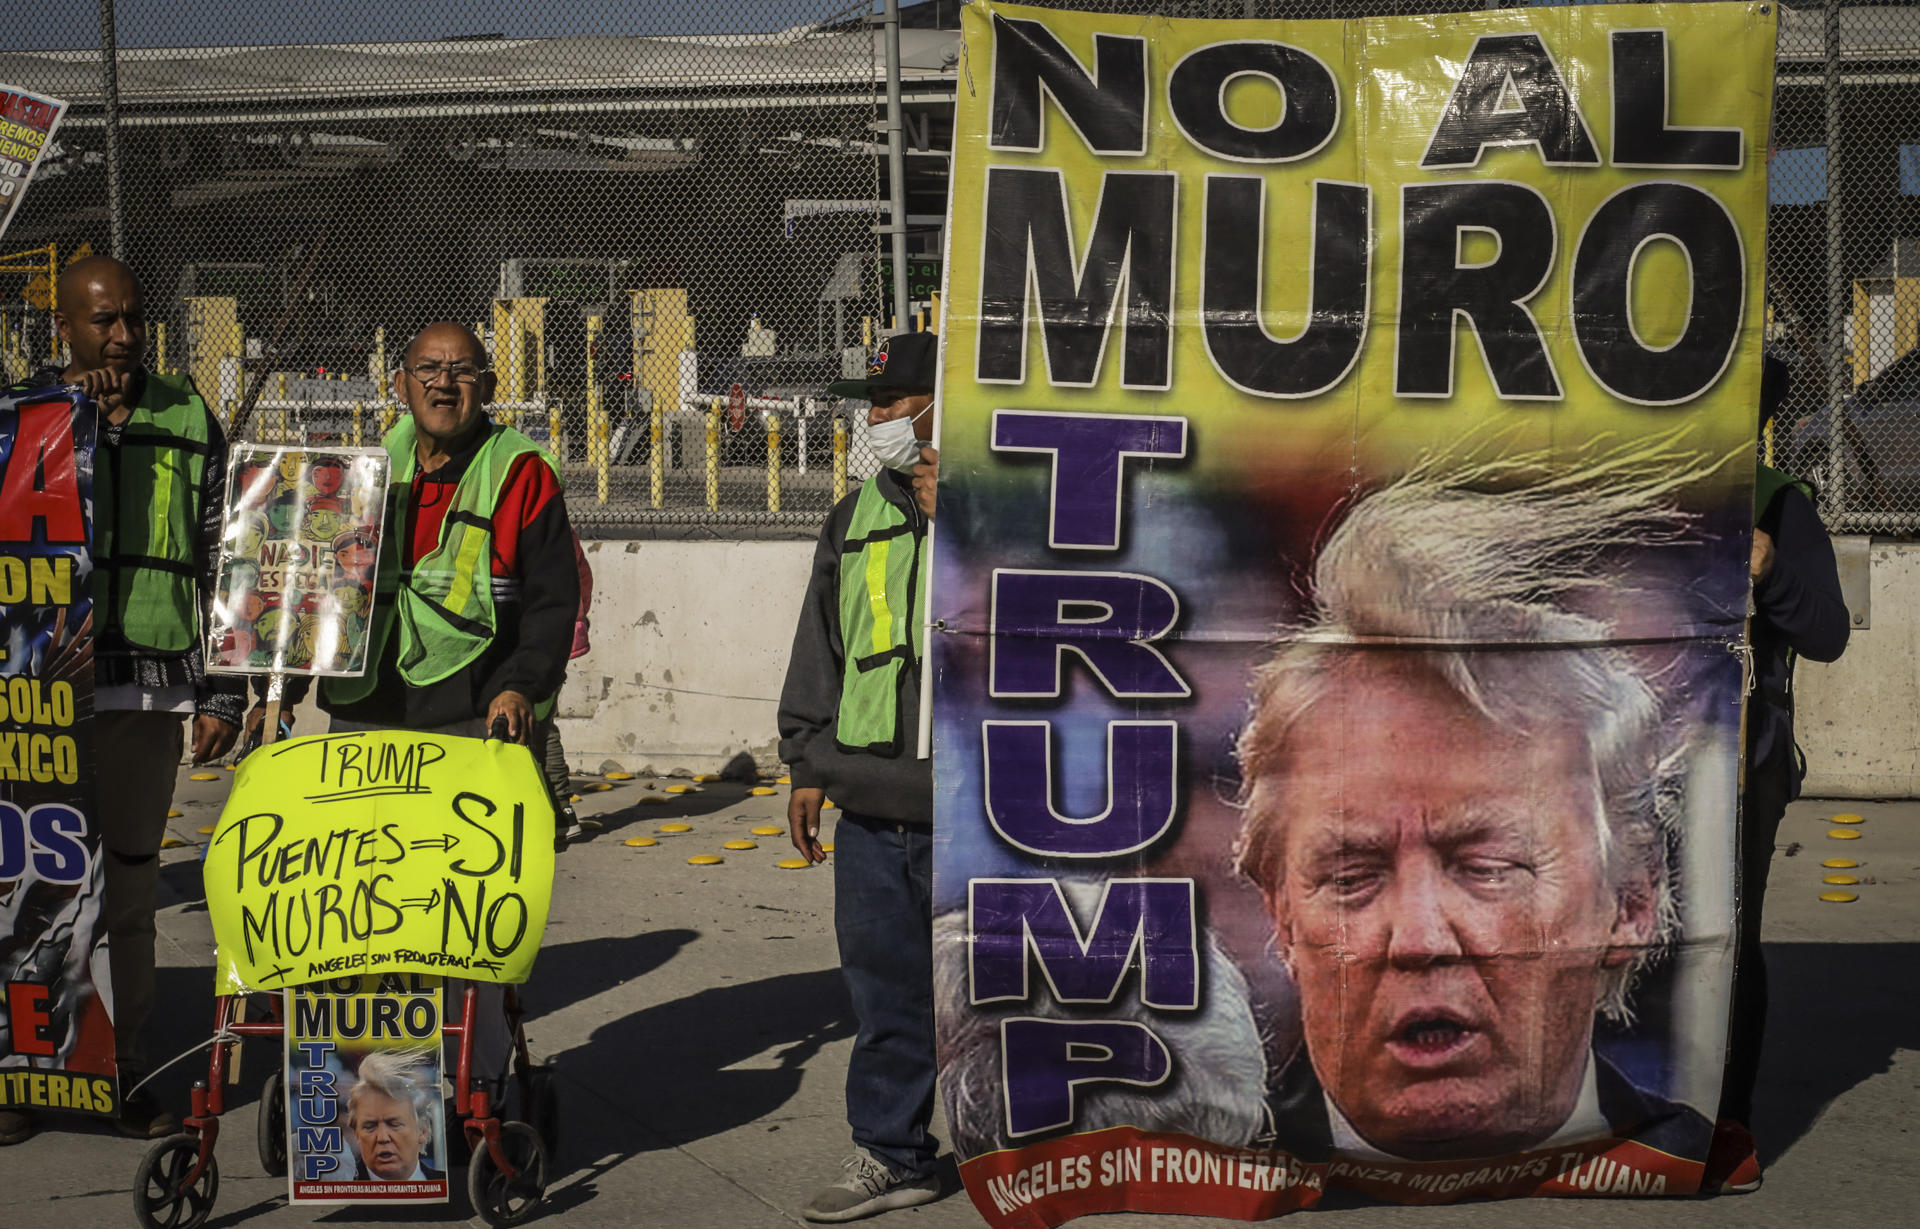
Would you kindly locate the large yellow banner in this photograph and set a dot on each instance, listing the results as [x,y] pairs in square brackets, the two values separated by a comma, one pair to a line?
[348,854]
[1338,598]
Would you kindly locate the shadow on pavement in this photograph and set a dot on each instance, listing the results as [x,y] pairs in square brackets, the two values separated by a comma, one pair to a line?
[1837,1014]
[693,1068]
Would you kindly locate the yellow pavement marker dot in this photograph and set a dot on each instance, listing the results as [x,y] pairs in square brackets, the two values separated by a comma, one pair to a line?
[592,825]
[793,864]
[1843,880]
[827,846]
[648,800]
[705,859]
[175,814]
[1840,898]
[683,789]
[598,787]
[617,776]
[741,845]
[231,767]
[828,804]
[171,842]
[762,791]
[783,780]
[676,827]
[1844,834]
[767,830]
[639,842]
[1849,818]
[573,797]
[1840,863]
[204,776]
[706,776]
[206,831]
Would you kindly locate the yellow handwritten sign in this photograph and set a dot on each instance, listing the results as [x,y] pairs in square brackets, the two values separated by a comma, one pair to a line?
[345,854]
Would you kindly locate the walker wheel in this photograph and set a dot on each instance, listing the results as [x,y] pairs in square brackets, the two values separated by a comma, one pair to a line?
[161,1197]
[498,1201]
[270,1128]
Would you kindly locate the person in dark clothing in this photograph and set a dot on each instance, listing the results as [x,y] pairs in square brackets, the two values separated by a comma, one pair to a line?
[156,543]
[849,717]
[1798,611]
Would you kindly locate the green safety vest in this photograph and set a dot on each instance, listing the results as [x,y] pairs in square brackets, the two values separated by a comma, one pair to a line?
[444,605]
[146,518]
[883,598]
[1769,482]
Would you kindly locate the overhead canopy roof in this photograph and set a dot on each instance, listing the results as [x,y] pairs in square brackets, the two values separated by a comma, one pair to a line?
[304,78]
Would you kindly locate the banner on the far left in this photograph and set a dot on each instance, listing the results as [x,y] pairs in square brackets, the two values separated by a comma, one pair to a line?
[27,121]
[56,1028]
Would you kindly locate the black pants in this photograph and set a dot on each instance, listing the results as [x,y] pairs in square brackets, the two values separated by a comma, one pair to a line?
[1769,787]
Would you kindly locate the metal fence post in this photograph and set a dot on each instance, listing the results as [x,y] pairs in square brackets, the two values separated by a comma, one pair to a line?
[896,165]
[110,97]
[1839,381]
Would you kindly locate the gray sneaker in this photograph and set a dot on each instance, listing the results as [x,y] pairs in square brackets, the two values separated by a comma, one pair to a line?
[868,1189]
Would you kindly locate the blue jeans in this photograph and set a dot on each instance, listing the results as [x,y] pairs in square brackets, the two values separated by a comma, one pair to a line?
[883,918]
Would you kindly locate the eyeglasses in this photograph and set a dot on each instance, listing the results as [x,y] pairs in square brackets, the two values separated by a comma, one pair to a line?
[430,373]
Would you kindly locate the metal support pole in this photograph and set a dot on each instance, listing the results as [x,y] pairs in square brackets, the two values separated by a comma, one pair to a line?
[1839,297]
[110,96]
[896,165]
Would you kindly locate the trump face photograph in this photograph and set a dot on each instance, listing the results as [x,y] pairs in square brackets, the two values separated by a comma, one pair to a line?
[1459,806]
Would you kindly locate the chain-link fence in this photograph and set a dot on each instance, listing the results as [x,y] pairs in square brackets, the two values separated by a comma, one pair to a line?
[661,216]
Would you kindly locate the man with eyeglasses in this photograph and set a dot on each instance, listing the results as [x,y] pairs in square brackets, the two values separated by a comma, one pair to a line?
[849,716]
[477,589]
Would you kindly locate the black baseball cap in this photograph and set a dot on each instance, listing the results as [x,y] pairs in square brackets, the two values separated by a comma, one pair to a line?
[904,361]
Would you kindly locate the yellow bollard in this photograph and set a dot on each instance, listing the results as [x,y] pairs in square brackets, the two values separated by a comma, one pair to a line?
[1767,443]
[656,464]
[603,441]
[556,442]
[596,426]
[839,458]
[380,372]
[160,347]
[773,460]
[713,455]
[359,414]
[388,413]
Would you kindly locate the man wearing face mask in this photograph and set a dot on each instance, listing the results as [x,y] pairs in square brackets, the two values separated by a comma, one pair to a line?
[849,716]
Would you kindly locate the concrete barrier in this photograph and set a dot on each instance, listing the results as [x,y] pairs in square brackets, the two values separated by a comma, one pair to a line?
[1858,719]
[691,640]
[690,643]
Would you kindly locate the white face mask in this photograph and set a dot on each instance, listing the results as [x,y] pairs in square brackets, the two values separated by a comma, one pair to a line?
[893,444]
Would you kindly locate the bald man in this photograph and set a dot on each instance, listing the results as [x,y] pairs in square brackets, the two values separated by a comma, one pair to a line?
[160,470]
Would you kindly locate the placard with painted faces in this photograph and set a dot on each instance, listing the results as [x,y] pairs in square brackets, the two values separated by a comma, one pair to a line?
[301,546]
